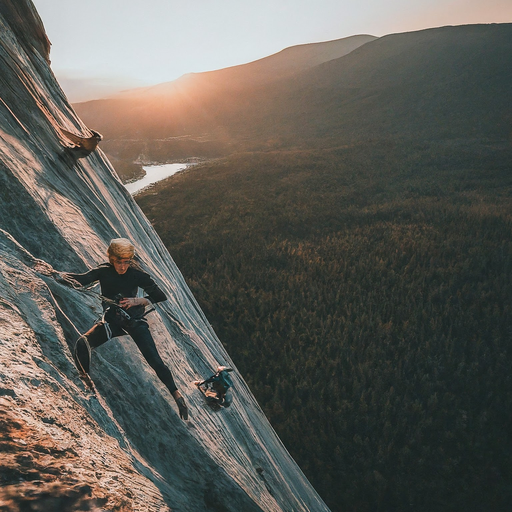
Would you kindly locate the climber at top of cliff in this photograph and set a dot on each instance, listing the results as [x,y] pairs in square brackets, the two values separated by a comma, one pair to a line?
[84,144]
[124,312]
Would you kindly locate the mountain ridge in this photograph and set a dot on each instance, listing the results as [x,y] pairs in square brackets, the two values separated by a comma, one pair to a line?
[411,85]
[279,65]
[422,84]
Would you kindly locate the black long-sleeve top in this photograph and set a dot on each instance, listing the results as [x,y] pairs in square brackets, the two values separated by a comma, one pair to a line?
[126,284]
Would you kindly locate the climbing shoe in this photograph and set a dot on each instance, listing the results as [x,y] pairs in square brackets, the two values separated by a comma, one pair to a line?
[182,407]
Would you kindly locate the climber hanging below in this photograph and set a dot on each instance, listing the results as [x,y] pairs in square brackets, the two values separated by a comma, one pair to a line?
[216,388]
[124,312]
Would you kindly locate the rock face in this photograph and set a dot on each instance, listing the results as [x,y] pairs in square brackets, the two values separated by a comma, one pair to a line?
[124,448]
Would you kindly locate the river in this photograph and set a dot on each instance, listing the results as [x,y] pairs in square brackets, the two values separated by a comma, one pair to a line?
[154,173]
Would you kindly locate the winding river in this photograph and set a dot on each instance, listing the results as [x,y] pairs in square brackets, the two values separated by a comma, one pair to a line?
[154,173]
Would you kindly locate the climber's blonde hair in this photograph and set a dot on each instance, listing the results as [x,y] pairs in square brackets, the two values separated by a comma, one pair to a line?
[120,248]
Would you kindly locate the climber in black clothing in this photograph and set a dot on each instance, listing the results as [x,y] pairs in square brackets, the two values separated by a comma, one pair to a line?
[123,311]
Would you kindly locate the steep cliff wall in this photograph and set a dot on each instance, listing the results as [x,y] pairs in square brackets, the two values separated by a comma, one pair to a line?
[125,447]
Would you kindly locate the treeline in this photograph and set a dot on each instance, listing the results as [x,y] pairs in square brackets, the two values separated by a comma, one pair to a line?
[365,295]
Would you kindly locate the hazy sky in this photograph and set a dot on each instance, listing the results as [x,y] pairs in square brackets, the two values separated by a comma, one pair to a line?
[102,46]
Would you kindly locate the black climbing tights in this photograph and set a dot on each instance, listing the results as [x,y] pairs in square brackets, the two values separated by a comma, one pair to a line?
[141,334]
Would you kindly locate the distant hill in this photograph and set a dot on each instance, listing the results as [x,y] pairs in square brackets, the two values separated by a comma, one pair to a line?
[184,110]
[447,82]
[285,63]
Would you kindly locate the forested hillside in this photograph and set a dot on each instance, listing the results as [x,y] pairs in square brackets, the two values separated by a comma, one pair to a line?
[365,294]
[352,249]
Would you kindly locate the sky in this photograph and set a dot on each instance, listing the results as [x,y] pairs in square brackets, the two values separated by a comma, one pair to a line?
[101,47]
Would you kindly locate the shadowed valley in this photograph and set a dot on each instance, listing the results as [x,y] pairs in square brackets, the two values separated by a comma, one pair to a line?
[351,245]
